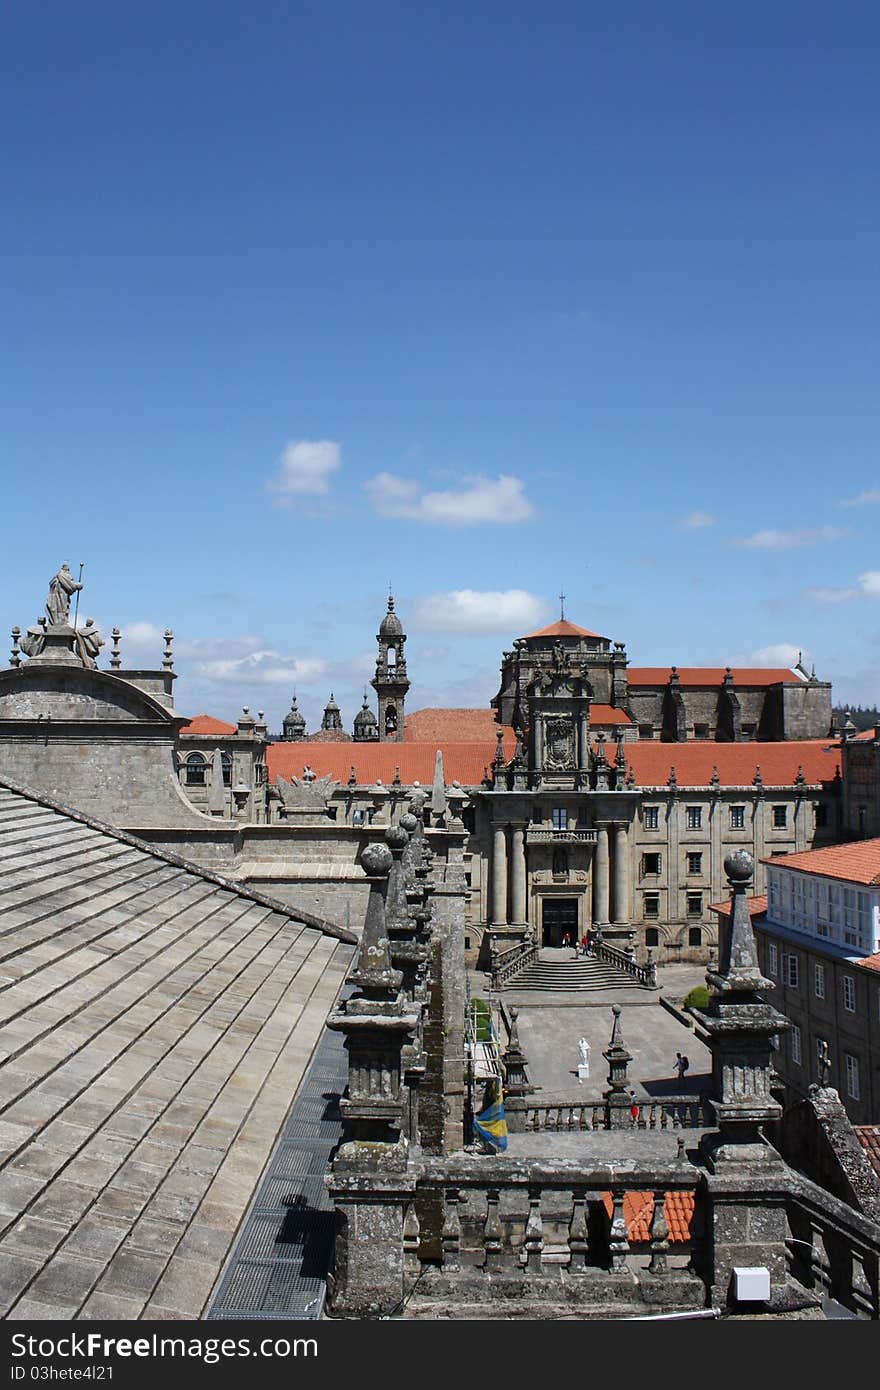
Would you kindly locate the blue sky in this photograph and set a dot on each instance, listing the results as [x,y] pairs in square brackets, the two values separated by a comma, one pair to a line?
[483,300]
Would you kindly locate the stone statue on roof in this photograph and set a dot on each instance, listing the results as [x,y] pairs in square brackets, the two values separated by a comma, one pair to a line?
[61,588]
[88,642]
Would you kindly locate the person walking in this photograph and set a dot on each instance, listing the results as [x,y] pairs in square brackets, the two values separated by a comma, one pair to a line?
[681,1066]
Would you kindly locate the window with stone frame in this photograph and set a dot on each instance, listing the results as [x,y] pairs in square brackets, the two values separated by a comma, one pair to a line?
[559,817]
[821,817]
[694,905]
[790,970]
[651,905]
[851,1067]
[651,817]
[695,863]
[849,994]
[701,731]
[226,760]
[694,817]
[772,962]
[646,731]
[195,770]
[796,1045]
[652,936]
[737,817]
[780,817]
[652,863]
[819,979]
[695,936]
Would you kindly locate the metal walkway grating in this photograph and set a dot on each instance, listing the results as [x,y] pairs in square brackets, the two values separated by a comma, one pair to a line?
[278,1268]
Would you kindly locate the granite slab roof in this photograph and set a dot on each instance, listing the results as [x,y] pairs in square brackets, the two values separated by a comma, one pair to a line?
[155,1022]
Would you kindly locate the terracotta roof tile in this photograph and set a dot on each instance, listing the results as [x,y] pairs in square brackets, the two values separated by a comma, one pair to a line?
[207,724]
[462,762]
[871,962]
[866,736]
[756,905]
[454,725]
[869,1138]
[563,628]
[652,762]
[858,862]
[638,1209]
[711,675]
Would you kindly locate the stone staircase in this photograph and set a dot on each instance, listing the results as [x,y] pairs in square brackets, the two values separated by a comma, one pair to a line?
[565,975]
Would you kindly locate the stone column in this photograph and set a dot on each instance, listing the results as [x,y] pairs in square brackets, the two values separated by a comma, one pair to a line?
[621,875]
[498,906]
[600,877]
[518,876]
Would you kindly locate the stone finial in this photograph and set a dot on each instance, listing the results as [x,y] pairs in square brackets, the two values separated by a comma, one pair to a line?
[15,659]
[115,658]
[617,1056]
[673,780]
[168,658]
[352,779]
[758,779]
[823,1063]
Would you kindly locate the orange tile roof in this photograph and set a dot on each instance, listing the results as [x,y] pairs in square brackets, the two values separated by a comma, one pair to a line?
[456,725]
[869,1138]
[866,736]
[871,962]
[638,1209]
[710,675]
[607,714]
[563,628]
[462,762]
[858,862]
[652,762]
[756,905]
[207,724]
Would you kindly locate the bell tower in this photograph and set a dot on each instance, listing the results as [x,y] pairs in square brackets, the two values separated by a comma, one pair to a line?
[390,681]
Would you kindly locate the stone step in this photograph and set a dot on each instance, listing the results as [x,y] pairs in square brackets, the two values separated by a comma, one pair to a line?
[584,973]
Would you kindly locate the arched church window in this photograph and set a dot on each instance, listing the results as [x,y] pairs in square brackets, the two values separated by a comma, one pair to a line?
[227,769]
[196,767]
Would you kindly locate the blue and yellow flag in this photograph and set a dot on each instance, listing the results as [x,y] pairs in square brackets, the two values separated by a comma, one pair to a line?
[491,1123]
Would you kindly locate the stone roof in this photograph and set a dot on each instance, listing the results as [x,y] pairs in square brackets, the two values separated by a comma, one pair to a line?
[155,1021]
[858,862]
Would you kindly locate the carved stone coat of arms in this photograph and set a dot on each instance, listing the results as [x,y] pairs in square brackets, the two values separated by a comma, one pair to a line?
[559,747]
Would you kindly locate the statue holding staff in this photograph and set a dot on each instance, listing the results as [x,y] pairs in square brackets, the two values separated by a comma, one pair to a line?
[60,590]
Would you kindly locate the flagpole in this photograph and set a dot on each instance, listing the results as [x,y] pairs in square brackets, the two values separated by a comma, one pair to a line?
[82,565]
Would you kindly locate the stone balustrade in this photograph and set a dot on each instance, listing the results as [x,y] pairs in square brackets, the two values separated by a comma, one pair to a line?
[542,835]
[548,1117]
[643,974]
[833,1249]
[511,962]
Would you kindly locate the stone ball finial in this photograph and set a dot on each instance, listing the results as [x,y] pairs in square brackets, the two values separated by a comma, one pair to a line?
[409,822]
[739,866]
[615,1009]
[396,836]
[377,860]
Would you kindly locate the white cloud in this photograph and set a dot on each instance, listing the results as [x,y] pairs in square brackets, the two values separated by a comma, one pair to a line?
[475,612]
[304,469]
[777,654]
[790,540]
[870,582]
[479,499]
[695,520]
[831,595]
[863,498]
[265,667]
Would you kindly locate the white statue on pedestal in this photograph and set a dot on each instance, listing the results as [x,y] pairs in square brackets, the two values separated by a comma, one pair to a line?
[584,1063]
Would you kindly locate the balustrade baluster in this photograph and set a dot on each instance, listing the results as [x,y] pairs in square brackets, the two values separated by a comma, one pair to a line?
[659,1235]
[411,1239]
[578,1235]
[451,1233]
[618,1239]
[664,1117]
[598,1114]
[533,1236]
[493,1233]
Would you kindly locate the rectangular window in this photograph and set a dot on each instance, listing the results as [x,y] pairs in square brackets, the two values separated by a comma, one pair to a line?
[701,731]
[652,906]
[796,1044]
[849,994]
[695,936]
[560,818]
[652,863]
[772,960]
[790,971]
[819,980]
[694,817]
[652,817]
[652,936]
[737,817]
[821,817]
[780,817]
[695,863]
[852,1075]
[646,731]
[695,904]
